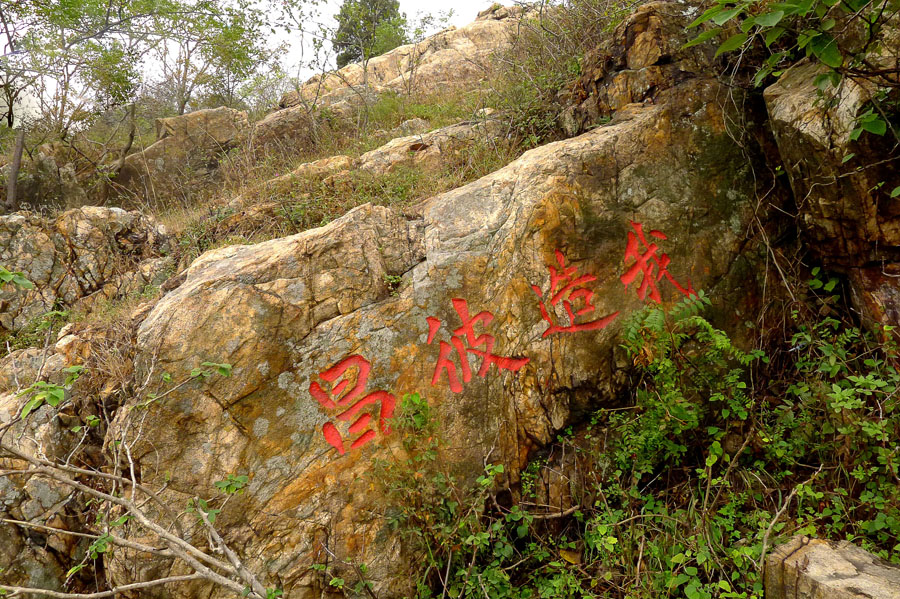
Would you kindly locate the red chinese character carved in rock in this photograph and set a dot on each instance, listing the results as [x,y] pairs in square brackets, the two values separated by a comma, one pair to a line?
[645,262]
[567,286]
[466,341]
[342,398]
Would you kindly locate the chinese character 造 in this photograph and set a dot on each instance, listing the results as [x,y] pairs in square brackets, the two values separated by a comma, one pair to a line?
[646,262]
[465,341]
[340,397]
[567,285]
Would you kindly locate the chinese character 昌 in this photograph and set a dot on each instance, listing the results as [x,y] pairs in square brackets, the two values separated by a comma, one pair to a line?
[342,398]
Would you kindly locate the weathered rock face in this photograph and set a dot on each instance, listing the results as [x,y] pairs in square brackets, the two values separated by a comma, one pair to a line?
[501,305]
[185,154]
[81,253]
[848,217]
[642,57]
[808,568]
[34,557]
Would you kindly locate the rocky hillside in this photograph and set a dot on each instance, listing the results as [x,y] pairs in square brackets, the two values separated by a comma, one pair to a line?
[286,368]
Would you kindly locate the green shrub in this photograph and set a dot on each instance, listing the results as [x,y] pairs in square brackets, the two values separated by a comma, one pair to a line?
[546,56]
[719,455]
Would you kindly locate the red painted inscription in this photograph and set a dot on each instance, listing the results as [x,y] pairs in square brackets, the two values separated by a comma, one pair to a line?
[569,287]
[466,341]
[646,261]
[350,404]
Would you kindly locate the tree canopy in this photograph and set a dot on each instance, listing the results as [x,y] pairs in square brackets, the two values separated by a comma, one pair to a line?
[367,28]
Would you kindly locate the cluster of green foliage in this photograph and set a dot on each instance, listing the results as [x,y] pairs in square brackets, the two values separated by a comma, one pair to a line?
[14,279]
[841,34]
[712,462]
[850,39]
[81,57]
[36,333]
[41,392]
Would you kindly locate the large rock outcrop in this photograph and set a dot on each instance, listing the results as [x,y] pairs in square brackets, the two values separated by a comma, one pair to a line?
[185,155]
[452,60]
[500,304]
[79,254]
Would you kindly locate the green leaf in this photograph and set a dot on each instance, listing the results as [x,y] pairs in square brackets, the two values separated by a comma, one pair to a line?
[14,278]
[773,34]
[21,281]
[732,43]
[895,192]
[825,48]
[120,521]
[723,17]
[824,80]
[55,396]
[876,126]
[31,406]
[761,75]
[706,16]
[770,19]
[705,36]
[74,570]
[222,369]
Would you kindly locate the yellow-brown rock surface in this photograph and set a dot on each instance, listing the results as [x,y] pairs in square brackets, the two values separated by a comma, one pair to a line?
[74,256]
[185,155]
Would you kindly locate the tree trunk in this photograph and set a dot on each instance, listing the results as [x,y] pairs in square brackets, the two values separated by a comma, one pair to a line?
[11,203]
[123,154]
